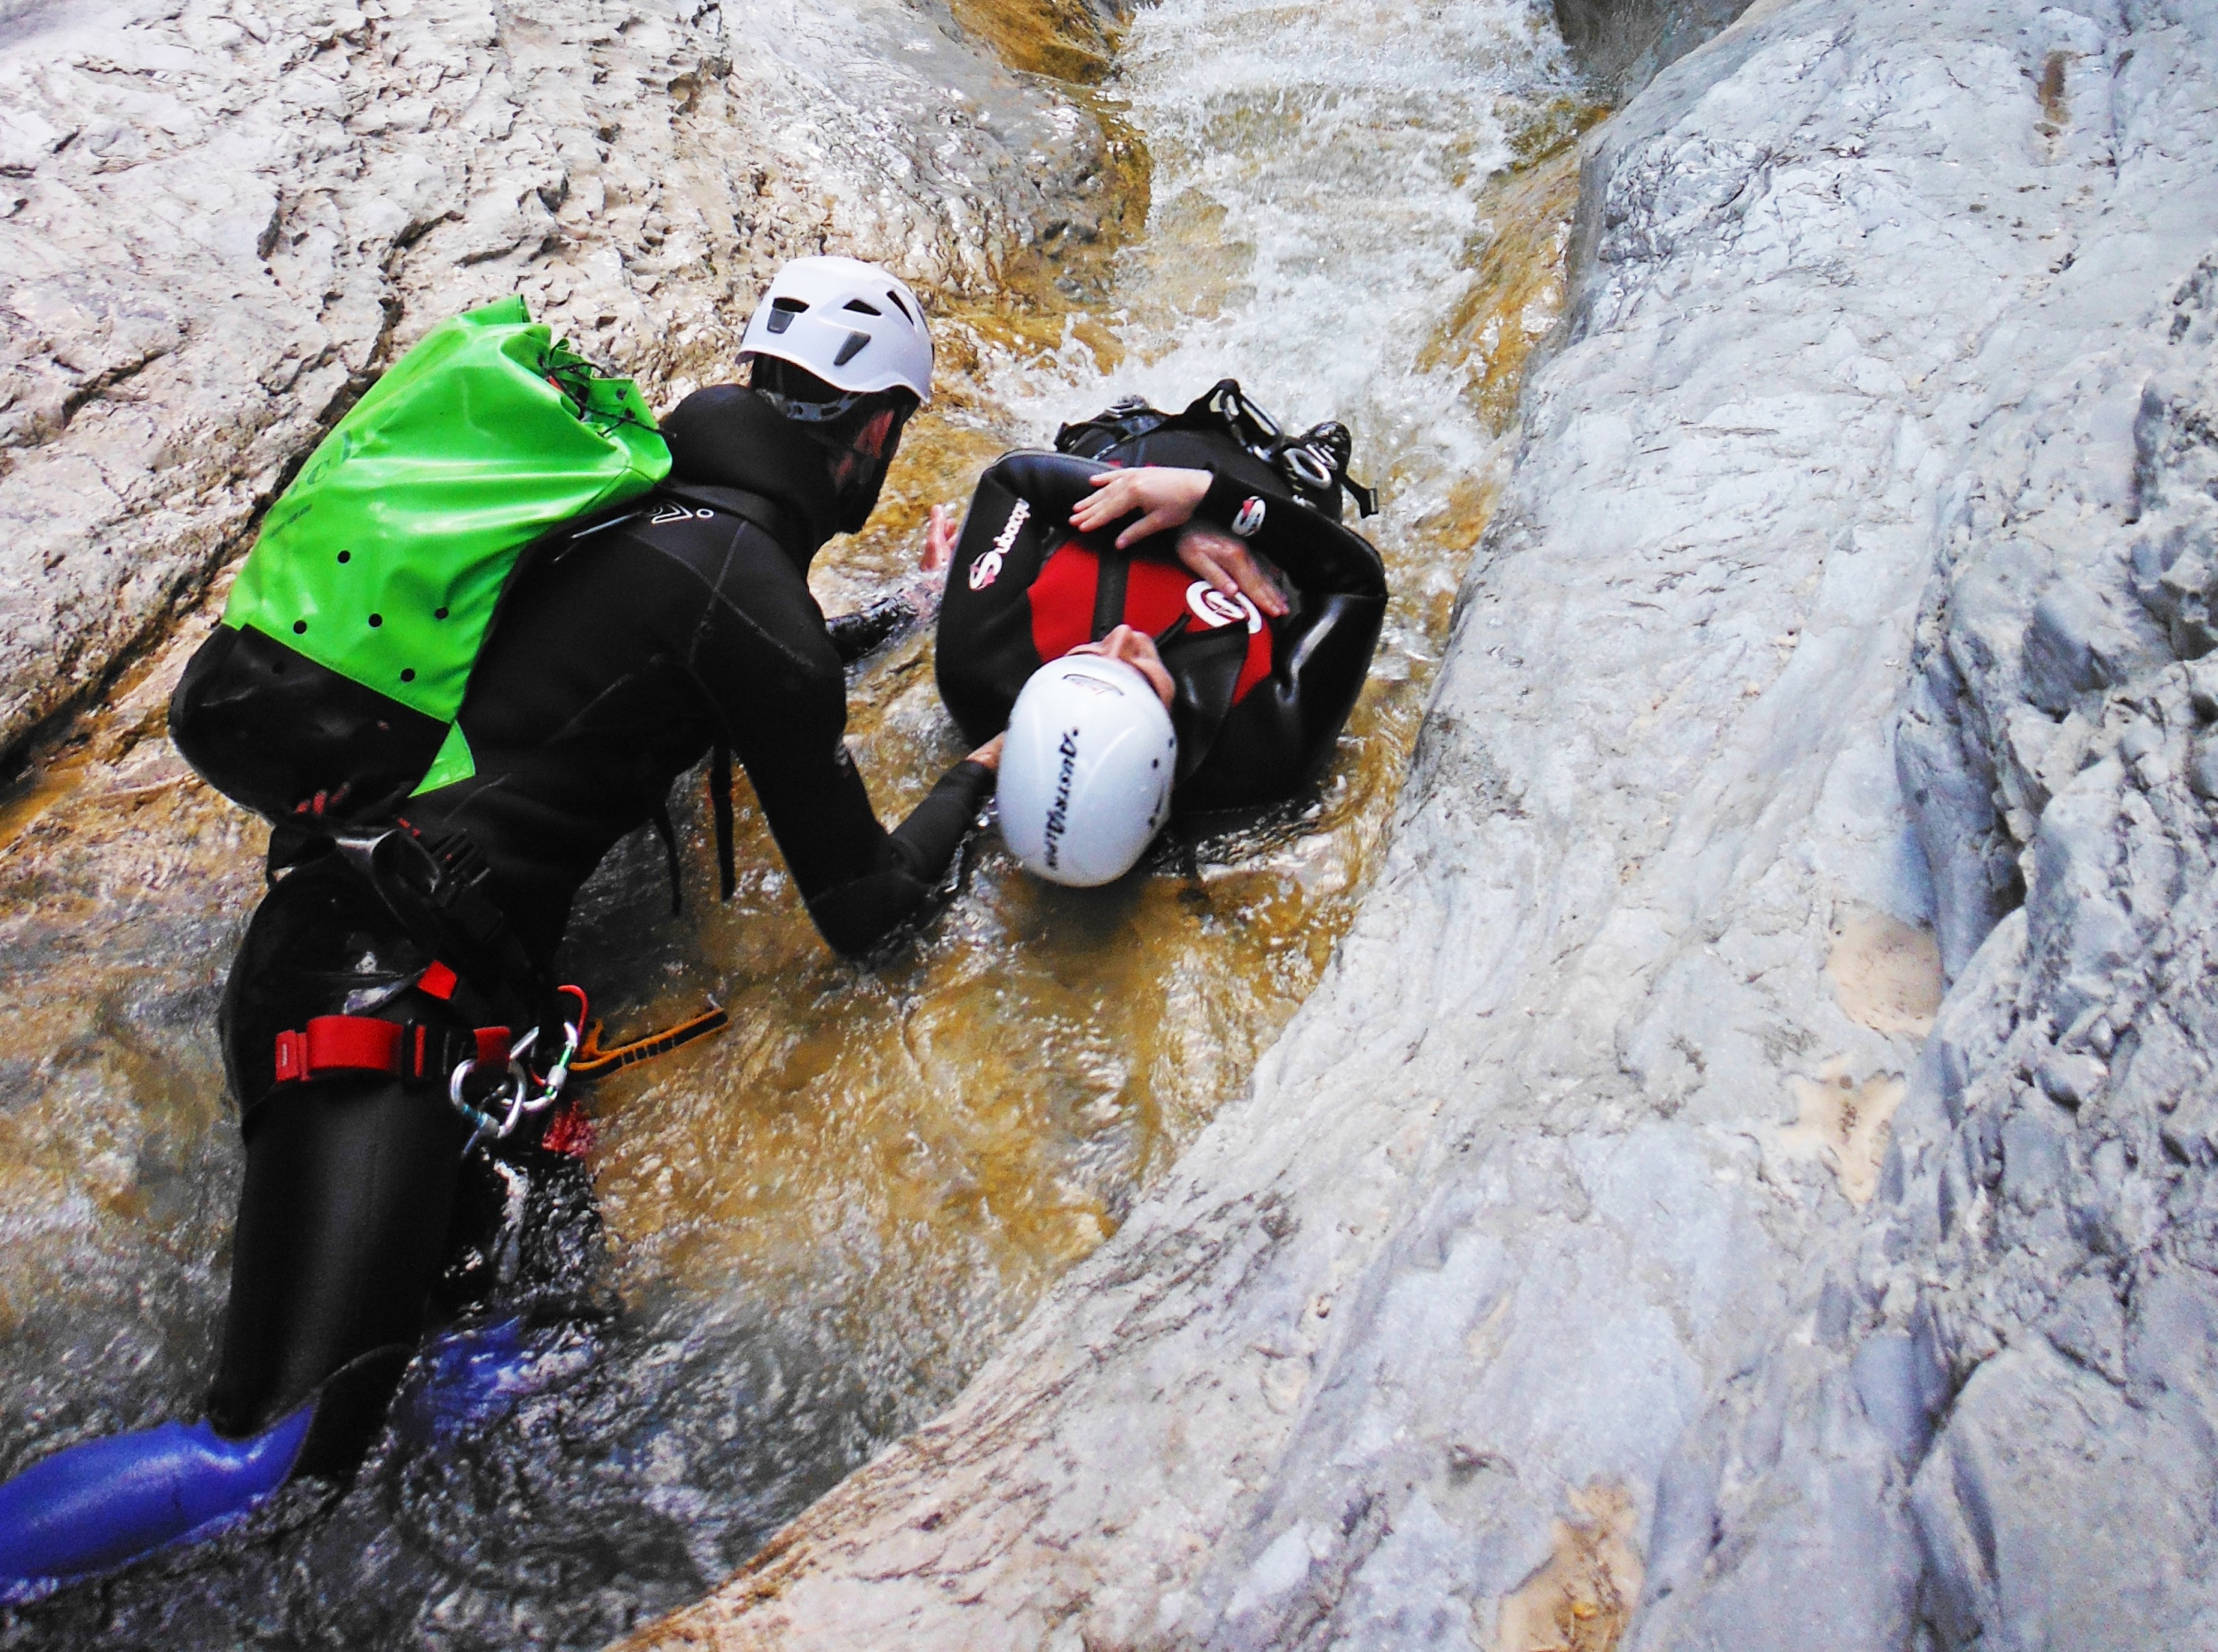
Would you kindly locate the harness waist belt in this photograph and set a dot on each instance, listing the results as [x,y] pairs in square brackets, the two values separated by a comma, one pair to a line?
[406,1050]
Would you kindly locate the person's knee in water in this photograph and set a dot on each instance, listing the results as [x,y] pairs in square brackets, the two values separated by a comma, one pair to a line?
[1167,615]
[376,1001]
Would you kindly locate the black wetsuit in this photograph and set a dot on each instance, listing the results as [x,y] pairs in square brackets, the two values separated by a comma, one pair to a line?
[1258,701]
[620,658]
[620,655]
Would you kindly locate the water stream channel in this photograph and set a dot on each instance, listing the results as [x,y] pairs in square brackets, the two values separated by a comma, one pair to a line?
[819,1223]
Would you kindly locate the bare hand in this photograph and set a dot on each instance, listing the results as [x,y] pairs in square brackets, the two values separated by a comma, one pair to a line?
[1230,567]
[989,756]
[1167,498]
[939,540]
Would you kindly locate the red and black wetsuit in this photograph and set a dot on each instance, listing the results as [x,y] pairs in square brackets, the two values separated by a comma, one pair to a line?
[1258,701]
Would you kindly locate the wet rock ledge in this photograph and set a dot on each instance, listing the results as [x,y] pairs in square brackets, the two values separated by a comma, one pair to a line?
[219,219]
[1631,1244]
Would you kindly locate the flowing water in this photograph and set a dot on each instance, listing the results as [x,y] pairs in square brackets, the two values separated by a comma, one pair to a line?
[818,1224]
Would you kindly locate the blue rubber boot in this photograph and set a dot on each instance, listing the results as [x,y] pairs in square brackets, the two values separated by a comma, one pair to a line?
[467,1381]
[463,1381]
[93,1506]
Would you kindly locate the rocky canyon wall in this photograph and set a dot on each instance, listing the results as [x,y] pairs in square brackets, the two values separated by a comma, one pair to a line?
[1622,44]
[220,219]
[1629,1244]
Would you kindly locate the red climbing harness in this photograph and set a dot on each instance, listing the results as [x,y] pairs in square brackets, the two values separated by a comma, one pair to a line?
[405,1050]
[419,1052]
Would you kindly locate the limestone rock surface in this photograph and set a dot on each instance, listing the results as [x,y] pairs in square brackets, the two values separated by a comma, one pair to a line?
[1629,1245]
[220,219]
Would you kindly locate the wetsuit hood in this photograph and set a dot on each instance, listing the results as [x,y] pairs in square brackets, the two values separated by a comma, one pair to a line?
[729,437]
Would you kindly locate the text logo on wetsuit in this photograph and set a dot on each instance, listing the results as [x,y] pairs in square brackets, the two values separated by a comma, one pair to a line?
[1249,517]
[1213,607]
[988,568]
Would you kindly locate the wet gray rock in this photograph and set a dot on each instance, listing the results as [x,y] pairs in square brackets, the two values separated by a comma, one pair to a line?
[220,219]
[1628,1244]
[1622,44]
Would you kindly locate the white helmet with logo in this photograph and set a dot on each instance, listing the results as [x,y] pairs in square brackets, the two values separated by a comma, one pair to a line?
[850,323]
[1086,770]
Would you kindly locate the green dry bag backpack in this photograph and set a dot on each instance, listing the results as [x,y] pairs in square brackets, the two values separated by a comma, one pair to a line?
[334,679]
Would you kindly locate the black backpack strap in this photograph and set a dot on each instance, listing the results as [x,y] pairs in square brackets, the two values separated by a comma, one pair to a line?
[1112,578]
[1225,410]
[1121,420]
[1205,669]
[435,888]
[720,805]
[760,508]
[1298,458]
[1224,406]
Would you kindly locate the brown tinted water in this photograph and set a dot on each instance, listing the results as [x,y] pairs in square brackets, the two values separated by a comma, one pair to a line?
[821,1220]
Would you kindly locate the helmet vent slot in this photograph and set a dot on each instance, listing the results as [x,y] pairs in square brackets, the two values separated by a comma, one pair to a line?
[852,347]
[868,310]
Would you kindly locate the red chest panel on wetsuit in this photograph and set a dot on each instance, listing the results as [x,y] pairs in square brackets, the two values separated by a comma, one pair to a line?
[1156,595]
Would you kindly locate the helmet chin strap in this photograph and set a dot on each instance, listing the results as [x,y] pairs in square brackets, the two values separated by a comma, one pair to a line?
[859,494]
[811,413]
[858,476]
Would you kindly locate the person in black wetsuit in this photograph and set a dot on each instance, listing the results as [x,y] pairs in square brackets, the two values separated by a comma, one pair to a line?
[620,659]
[1204,549]
[623,652]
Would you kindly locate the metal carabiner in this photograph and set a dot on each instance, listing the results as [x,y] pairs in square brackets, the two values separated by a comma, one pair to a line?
[479,1121]
[557,1075]
[519,1083]
[1308,465]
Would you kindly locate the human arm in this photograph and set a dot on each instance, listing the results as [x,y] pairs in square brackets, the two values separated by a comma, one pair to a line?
[1282,732]
[1321,556]
[859,631]
[986,649]
[1224,525]
[860,883]
[766,663]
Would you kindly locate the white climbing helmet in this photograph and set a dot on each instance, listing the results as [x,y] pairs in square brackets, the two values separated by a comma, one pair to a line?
[850,323]
[1086,770]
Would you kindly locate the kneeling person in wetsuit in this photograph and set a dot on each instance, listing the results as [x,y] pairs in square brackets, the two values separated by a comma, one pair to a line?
[1166,614]
[387,952]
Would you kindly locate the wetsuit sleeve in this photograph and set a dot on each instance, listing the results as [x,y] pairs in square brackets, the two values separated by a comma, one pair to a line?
[1322,558]
[766,664]
[876,624]
[856,916]
[1018,516]
[1282,731]
[1054,483]
[856,634]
